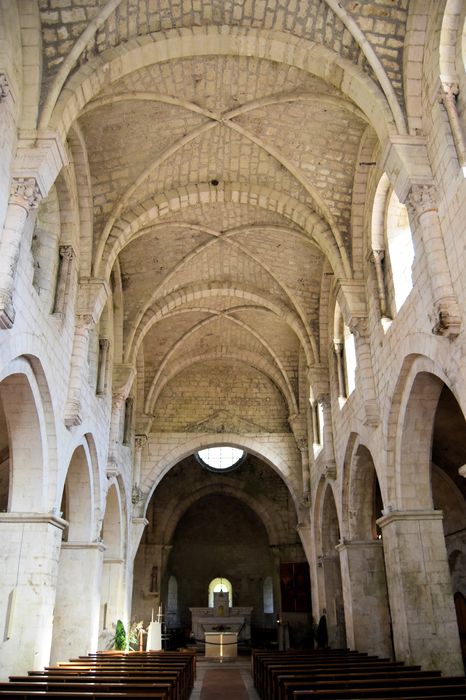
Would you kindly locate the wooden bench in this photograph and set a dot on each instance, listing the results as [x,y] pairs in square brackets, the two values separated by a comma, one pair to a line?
[142,675]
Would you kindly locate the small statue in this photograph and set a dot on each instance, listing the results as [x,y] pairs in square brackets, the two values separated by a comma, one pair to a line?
[154,579]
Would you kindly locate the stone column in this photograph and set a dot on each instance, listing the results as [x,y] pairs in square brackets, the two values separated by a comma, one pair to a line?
[24,196]
[139,442]
[67,256]
[422,207]
[378,257]
[128,420]
[423,614]
[334,600]
[77,607]
[30,553]
[338,346]
[449,92]
[358,327]
[365,597]
[84,325]
[112,607]
[104,346]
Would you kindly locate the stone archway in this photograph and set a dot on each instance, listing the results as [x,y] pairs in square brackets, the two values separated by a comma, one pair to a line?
[28,523]
[330,563]
[367,613]
[449,493]
[112,605]
[418,576]
[78,596]
[204,524]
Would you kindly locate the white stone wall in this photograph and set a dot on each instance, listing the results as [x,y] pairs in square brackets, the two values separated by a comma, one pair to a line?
[212,249]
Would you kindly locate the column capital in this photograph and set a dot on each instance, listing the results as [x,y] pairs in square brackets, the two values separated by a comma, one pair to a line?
[377,254]
[324,400]
[5,88]
[25,193]
[358,326]
[421,199]
[140,440]
[104,343]
[84,322]
[449,90]
[66,252]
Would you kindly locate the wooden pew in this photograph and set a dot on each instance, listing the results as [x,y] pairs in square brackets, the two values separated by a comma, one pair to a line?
[159,675]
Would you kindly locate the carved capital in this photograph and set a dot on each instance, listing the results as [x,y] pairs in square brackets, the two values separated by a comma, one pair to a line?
[378,256]
[4,87]
[25,193]
[84,322]
[324,400]
[104,343]
[338,346]
[118,399]
[140,441]
[302,444]
[449,91]
[66,252]
[358,326]
[136,495]
[421,199]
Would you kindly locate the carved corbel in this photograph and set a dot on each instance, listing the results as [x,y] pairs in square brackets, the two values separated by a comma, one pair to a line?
[331,470]
[5,89]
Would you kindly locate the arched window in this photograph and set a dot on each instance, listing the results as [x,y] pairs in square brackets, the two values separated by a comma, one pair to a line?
[172,602]
[220,585]
[400,249]
[345,357]
[350,360]
[268,595]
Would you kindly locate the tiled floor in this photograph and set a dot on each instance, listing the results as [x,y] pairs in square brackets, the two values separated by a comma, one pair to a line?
[227,680]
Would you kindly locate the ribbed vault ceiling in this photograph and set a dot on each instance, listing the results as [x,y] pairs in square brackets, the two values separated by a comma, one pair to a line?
[221,187]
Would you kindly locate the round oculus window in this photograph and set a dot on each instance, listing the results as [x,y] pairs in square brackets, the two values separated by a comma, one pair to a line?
[221,458]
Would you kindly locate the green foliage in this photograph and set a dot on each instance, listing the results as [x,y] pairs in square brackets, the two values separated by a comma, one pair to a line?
[120,636]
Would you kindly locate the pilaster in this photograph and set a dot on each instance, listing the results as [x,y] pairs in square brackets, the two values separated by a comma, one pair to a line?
[30,553]
[365,596]
[77,605]
[423,614]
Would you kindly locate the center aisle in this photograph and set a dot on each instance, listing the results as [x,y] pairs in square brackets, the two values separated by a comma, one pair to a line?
[229,680]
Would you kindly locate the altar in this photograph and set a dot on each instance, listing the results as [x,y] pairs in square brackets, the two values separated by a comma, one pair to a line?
[221,644]
[221,620]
